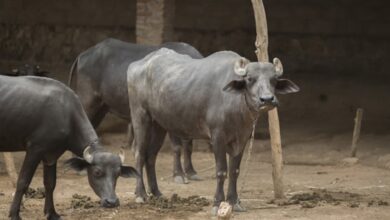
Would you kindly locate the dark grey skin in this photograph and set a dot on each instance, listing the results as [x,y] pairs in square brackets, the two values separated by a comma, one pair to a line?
[217,98]
[26,70]
[99,78]
[45,118]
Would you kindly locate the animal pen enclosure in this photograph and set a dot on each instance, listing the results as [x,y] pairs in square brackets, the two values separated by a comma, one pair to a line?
[336,51]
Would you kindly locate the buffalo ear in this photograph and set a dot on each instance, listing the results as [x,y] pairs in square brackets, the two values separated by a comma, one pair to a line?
[128,172]
[285,86]
[77,163]
[235,86]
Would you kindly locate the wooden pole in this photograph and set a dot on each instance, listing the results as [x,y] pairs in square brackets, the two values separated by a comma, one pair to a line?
[356,131]
[10,167]
[273,118]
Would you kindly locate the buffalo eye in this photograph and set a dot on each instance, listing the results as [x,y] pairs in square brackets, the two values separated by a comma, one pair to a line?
[97,172]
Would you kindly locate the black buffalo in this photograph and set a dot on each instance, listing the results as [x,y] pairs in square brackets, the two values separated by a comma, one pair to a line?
[217,98]
[98,76]
[45,118]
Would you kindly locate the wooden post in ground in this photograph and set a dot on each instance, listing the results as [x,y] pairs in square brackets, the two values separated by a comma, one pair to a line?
[154,21]
[10,167]
[356,131]
[273,118]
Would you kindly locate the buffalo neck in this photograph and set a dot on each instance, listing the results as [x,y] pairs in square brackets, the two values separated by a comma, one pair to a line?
[82,136]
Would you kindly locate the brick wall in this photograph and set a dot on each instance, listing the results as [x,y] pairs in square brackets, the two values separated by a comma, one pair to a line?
[155,19]
[318,37]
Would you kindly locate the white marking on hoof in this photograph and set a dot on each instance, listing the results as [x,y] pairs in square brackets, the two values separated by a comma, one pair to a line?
[139,200]
[214,211]
[195,177]
[179,180]
[238,208]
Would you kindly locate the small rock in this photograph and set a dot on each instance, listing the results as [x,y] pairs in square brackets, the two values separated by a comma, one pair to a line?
[349,161]
[225,211]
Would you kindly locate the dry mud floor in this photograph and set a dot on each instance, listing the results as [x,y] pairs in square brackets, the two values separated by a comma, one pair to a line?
[317,184]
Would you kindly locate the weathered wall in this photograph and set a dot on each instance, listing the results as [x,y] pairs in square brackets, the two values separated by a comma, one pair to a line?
[328,36]
[318,37]
[46,31]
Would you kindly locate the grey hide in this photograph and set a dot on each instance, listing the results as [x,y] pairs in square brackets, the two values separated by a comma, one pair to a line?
[217,98]
[98,76]
[45,118]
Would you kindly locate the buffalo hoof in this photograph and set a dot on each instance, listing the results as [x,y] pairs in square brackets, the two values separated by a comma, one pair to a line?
[214,211]
[139,199]
[195,177]
[238,207]
[180,180]
[157,194]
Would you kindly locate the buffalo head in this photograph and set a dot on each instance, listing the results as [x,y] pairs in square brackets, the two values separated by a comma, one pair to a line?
[103,169]
[259,82]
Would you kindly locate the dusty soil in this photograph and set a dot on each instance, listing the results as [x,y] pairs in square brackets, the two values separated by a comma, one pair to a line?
[318,185]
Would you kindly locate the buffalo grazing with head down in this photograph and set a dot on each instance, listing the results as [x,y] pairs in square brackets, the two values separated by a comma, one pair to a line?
[45,118]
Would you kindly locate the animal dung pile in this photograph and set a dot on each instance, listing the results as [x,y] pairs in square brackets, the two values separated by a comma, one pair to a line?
[377,202]
[323,196]
[82,202]
[192,203]
[38,193]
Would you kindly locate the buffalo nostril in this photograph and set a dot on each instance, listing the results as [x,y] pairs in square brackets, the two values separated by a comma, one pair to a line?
[110,203]
[267,99]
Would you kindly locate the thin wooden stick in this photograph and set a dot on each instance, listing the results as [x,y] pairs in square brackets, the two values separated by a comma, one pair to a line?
[10,167]
[273,118]
[356,131]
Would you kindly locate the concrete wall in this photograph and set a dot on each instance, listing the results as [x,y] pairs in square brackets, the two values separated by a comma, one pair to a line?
[317,37]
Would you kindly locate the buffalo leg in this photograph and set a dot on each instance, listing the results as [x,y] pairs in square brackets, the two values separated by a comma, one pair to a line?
[234,171]
[142,124]
[130,135]
[178,173]
[98,115]
[27,171]
[91,99]
[49,180]
[221,172]
[157,139]
[188,167]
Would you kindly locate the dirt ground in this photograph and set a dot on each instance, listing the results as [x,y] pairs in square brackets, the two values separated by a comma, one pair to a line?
[319,184]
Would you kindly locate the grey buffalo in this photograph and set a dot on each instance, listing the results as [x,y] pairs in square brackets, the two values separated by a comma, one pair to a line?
[99,78]
[45,118]
[217,98]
